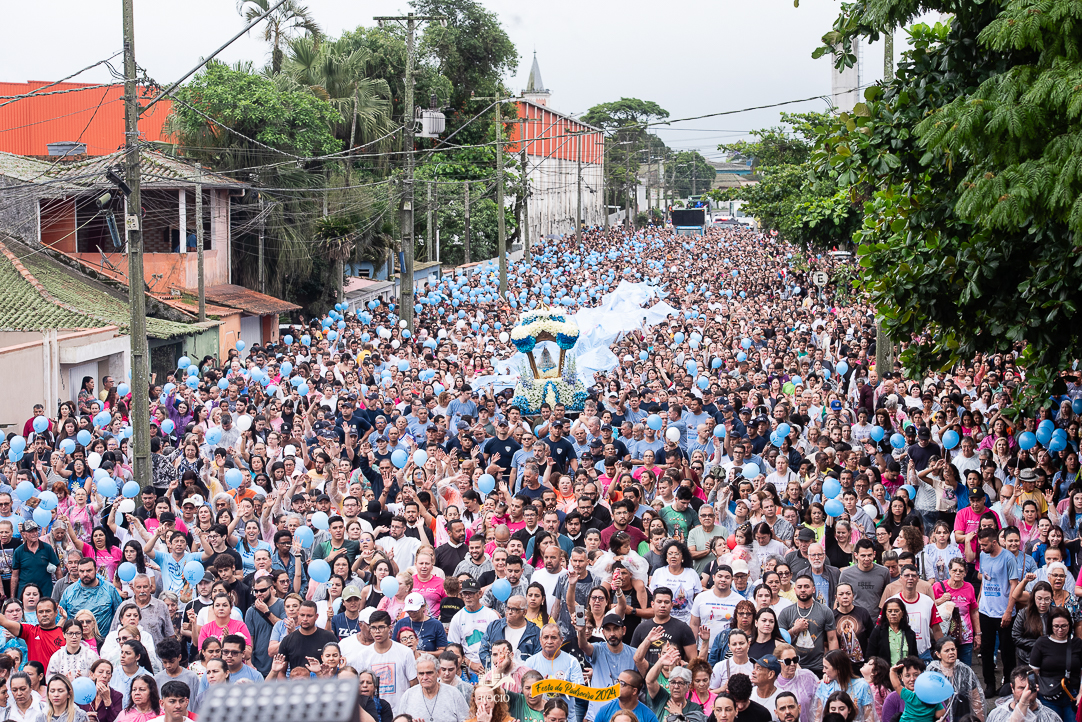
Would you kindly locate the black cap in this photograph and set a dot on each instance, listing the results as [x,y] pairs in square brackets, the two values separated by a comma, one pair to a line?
[470,586]
[805,534]
[613,619]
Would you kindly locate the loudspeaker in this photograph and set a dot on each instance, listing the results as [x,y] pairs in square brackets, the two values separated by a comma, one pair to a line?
[305,700]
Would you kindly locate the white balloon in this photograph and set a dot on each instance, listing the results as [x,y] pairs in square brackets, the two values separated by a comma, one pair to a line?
[127,506]
[395,343]
[244,422]
[442,333]
[504,337]
[871,510]
[672,434]
[384,333]
[402,323]
[93,460]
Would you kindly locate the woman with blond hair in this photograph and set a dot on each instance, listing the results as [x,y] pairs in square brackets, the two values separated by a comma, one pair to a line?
[487,706]
[60,701]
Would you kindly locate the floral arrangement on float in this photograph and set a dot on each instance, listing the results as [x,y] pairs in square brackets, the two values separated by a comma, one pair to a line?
[544,379]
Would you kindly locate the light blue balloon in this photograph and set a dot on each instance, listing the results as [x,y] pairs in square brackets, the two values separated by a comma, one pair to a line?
[389,586]
[833,507]
[85,690]
[719,431]
[107,488]
[194,571]
[304,536]
[321,521]
[932,688]
[41,424]
[1026,440]
[25,490]
[501,589]
[131,489]
[47,500]
[234,478]
[43,517]
[654,422]
[750,470]
[877,433]
[486,484]
[319,571]
[897,441]
[950,439]
[831,488]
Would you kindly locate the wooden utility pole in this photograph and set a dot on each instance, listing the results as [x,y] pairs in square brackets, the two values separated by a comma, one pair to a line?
[429,225]
[140,368]
[501,238]
[262,228]
[525,206]
[405,296]
[466,231]
[199,248]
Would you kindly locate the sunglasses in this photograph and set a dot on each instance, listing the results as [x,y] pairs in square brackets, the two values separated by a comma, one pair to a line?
[788,661]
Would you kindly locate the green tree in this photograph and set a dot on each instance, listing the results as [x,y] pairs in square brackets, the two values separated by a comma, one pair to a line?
[792,196]
[966,161]
[218,111]
[336,72]
[288,21]
[625,123]
[690,175]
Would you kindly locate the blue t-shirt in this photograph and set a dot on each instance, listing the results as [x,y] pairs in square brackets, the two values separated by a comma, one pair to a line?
[247,556]
[172,570]
[996,575]
[822,589]
[607,667]
[610,708]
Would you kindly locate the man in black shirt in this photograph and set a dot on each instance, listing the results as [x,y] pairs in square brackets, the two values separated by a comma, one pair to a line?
[451,554]
[562,452]
[502,446]
[922,452]
[307,640]
[747,709]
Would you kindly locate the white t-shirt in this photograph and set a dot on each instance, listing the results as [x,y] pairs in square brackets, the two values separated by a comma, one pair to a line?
[714,611]
[396,668]
[767,702]
[548,581]
[780,481]
[514,636]
[922,615]
[727,668]
[684,586]
[404,550]
[468,629]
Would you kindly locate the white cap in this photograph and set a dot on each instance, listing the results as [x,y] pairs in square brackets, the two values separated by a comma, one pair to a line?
[739,566]
[414,602]
[196,499]
[290,450]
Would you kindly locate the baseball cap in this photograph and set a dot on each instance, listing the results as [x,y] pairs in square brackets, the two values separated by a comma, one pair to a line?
[613,619]
[596,444]
[470,587]
[208,578]
[606,427]
[414,602]
[924,433]
[30,526]
[351,592]
[805,534]
[769,661]
[740,567]
[365,616]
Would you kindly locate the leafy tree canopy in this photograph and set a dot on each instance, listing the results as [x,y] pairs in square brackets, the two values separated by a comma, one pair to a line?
[967,165]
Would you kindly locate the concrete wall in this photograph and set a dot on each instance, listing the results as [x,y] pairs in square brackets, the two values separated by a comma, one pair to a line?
[554,196]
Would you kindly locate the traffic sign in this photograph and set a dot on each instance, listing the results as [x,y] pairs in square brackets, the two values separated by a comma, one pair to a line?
[819,278]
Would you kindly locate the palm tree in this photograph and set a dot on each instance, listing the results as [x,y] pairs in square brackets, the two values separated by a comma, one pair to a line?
[282,25]
[336,73]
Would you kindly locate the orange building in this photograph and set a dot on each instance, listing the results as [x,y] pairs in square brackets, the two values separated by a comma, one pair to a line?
[84,113]
[555,144]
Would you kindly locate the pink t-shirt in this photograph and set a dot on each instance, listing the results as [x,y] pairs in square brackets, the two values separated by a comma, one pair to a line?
[211,629]
[968,522]
[108,559]
[432,591]
[965,600]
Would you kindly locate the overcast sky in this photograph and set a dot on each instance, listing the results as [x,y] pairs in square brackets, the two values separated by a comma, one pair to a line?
[692,57]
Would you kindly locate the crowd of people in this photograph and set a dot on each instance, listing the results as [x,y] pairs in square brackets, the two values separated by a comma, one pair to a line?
[747,520]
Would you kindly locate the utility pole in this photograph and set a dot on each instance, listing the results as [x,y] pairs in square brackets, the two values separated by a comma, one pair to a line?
[140,371]
[262,229]
[466,232]
[199,247]
[884,347]
[405,298]
[525,206]
[501,240]
[428,226]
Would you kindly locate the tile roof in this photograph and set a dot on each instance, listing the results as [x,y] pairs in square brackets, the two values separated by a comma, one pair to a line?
[248,300]
[38,293]
[158,171]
